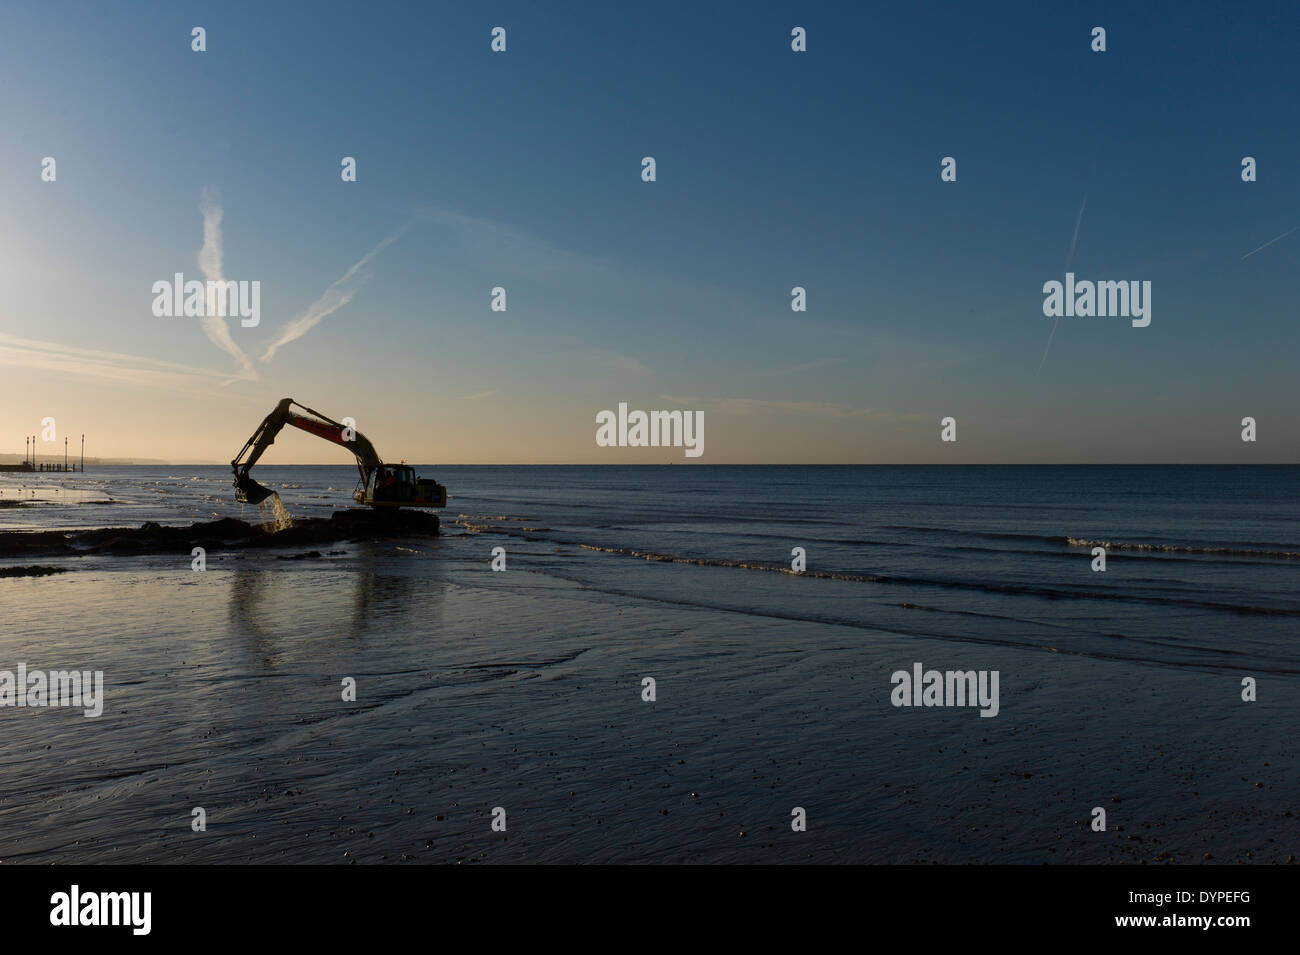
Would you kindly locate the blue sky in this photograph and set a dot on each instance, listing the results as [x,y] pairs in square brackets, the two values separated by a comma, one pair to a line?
[775,169]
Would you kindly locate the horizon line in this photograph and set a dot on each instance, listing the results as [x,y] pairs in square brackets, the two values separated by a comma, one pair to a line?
[729,464]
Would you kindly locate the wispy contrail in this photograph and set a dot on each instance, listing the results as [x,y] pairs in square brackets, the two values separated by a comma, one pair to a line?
[1068,260]
[1075,240]
[110,366]
[214,325]
[1268,243]
[335,297]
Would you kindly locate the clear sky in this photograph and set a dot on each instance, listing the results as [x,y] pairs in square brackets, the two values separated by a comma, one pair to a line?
[774,169]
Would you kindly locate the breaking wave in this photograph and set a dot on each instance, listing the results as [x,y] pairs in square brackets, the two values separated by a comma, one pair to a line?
[1050,593]
[1185,549]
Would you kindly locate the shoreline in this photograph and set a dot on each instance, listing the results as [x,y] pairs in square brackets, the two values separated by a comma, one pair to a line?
[223,534]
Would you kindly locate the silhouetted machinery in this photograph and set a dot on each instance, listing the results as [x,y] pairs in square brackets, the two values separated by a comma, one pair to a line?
[382,485]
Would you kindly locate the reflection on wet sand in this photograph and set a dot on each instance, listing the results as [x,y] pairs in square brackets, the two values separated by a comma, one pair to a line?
[266,608]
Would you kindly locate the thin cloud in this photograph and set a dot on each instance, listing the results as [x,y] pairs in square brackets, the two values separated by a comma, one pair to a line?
[811,365]
[1068,260]
[750,406]
[478,395]
[521,253]
[1268,243]
[31,353]
[210,264]
[600,360]
[527,254]
[335,297]
[631,365]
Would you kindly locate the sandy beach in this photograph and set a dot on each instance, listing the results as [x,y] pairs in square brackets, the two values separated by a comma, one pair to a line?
[523,690]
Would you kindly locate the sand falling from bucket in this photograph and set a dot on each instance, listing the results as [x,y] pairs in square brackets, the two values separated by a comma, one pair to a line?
[273,513]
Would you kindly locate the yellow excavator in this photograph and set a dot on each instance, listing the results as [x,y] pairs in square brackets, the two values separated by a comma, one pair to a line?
[381,485]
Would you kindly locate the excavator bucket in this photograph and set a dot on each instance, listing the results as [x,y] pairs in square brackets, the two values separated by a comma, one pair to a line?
[248,491]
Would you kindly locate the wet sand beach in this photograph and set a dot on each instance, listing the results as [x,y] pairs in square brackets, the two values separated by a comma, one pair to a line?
[523,690]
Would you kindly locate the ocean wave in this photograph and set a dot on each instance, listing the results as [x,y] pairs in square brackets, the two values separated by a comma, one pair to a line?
[993,535]
[1184,549]
[1272,551]
[1028,590]
[805,616]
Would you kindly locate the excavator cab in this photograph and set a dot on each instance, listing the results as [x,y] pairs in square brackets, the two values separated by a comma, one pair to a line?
[396,485]
[391,484]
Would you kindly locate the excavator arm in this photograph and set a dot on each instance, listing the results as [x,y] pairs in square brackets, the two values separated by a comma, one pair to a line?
[313,422]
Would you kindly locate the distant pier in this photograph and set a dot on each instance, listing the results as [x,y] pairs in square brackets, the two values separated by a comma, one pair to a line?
[33,468]
[31,465]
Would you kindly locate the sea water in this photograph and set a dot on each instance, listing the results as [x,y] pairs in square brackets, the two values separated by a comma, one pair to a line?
[524,688]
